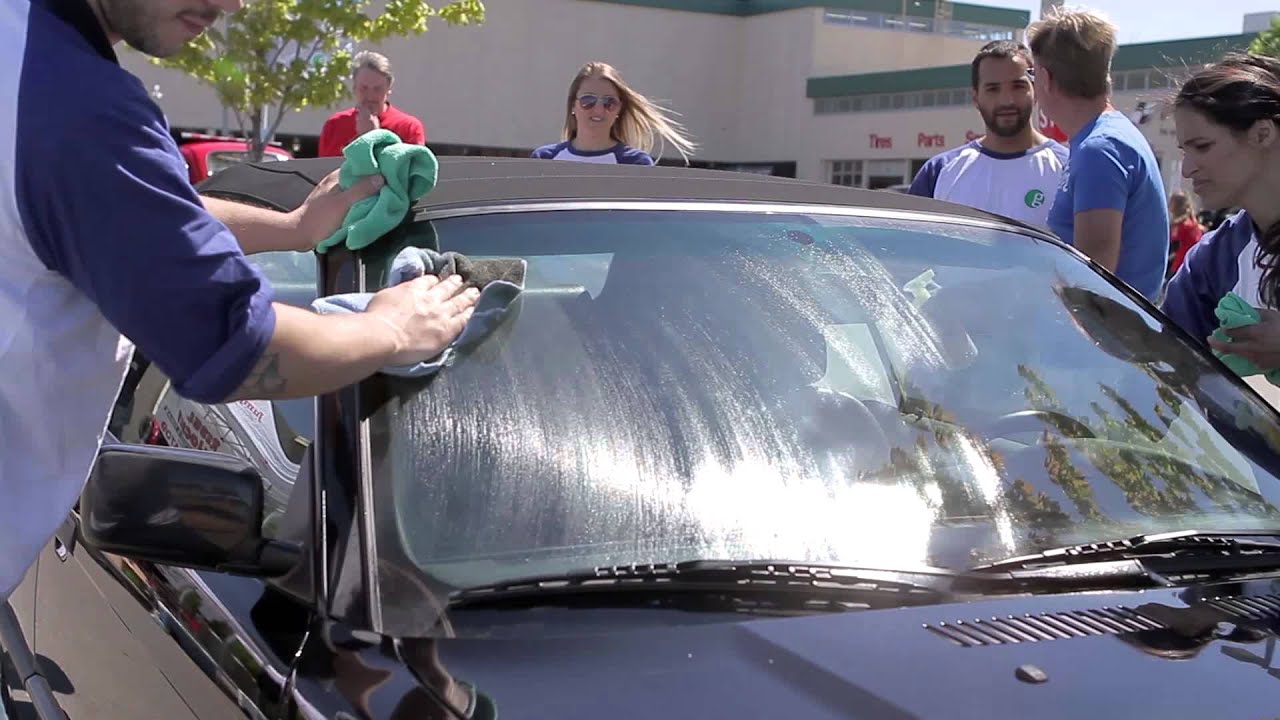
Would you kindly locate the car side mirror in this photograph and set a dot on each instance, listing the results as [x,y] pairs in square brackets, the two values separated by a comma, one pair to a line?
[191,508]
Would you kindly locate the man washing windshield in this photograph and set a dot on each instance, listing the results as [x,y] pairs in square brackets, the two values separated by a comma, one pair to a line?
[1013,170]
[104,239]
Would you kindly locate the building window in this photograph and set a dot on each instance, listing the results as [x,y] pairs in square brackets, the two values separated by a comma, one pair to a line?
[886,173]
[845,172]
[912,23]
[1127,81]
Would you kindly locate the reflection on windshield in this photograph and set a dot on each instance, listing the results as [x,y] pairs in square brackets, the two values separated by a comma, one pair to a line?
[676,386]
[220,160]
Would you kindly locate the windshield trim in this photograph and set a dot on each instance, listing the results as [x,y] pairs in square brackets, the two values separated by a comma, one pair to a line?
[367,526]
[515,206]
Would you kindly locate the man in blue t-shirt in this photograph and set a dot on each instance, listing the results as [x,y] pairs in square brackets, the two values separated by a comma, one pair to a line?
[1111,201]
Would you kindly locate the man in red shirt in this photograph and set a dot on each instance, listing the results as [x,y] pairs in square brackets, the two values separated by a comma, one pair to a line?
[371,86]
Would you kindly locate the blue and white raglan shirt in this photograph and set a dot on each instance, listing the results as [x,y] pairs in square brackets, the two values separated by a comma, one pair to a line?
[620,154]
[1016,185]
[102,238]
[1222,262]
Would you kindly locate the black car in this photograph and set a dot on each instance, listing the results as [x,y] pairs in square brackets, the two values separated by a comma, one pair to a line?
[741,447]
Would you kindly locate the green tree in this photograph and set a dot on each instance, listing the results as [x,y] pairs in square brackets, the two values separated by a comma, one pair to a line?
[1268,41]
[277,56]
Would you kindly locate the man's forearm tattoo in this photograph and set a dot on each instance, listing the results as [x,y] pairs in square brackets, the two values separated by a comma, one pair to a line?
[265,380]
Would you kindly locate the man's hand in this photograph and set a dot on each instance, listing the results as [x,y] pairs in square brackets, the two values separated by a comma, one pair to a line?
[326,207]
[365,120]
[312,354]
[261,230]
[1258,343]
[427,314]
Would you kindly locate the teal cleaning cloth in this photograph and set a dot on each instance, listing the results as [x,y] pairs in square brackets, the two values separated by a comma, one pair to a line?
[410,171]
[1234,312]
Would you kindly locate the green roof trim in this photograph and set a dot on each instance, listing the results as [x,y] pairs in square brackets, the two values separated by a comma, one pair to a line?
[1166,54]
[932,78]
[718,7]
[983,15]
[962,12]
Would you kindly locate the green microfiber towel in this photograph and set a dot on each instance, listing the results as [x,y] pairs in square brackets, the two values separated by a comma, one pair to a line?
[1234,312]
[410,171]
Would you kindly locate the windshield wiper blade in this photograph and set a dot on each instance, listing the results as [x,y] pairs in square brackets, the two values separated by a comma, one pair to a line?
[633,584]
[1185,551]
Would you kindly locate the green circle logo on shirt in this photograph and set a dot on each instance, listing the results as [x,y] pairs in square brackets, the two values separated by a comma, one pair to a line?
[1034,199]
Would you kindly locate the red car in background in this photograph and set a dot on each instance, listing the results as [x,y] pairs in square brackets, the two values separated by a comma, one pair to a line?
[207,155]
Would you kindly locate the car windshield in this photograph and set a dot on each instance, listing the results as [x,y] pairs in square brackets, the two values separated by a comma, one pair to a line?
[824,388]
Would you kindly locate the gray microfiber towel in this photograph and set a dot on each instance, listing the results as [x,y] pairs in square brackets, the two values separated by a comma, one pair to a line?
[499,281]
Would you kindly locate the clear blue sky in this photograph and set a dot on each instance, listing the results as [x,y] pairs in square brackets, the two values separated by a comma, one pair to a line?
[1152,20]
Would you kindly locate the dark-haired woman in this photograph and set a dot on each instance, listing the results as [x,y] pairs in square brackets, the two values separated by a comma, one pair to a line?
[1228,120]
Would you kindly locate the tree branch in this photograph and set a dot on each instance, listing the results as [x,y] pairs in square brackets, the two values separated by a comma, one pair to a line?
[279,117]
[280,51]
[241,61]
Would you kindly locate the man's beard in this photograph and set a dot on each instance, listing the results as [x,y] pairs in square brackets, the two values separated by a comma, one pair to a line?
[134,22]
[994,126]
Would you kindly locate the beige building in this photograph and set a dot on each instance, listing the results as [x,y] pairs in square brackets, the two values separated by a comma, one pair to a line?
[857,92]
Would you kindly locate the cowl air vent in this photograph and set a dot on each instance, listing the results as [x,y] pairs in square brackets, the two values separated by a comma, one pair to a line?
[1012,629]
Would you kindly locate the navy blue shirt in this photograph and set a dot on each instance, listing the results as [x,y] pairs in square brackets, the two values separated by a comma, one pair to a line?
[105,201]
[103,241]
[1222,262]
[1111,167]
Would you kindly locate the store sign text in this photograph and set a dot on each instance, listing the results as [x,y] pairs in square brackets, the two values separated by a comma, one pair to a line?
[925,140]
[931,141]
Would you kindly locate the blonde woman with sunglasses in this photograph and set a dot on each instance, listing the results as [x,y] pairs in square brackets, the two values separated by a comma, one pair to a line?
[608,122]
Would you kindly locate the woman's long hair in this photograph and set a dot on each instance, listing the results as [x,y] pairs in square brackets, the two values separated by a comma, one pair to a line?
[1235,93]
[642,123]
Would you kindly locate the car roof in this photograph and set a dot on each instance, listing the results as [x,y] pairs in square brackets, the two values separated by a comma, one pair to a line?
[477,181]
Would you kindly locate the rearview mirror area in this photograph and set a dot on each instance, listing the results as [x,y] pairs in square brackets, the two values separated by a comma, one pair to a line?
[191,508]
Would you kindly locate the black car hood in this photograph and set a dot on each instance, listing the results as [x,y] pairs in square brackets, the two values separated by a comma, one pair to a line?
[1179,655]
